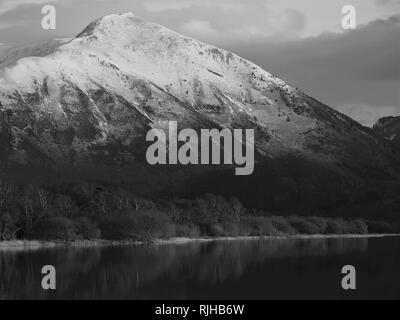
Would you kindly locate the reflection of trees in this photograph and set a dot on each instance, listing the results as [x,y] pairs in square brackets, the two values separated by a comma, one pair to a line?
[139,271]
[20,275]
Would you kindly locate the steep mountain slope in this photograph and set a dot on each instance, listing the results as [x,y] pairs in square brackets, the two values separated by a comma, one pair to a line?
[92,100]
[10,56]
[389,128]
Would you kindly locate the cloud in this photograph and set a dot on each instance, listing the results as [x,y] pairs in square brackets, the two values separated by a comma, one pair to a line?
[386,2]
[198,27]
[255,21]
[233,20]
[11,24]
[356,71]
[368,115]
[9,5]
[294,19]
[287,19]
[175,5]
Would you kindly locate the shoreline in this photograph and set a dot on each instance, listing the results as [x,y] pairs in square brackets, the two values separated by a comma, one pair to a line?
[22,245]
[183,240]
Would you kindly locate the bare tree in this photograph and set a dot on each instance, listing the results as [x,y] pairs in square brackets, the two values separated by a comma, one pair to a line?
[237,208]
[42,199]
[28,205]
[5,190]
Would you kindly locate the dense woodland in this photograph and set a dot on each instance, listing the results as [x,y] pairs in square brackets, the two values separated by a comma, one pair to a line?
[89,211]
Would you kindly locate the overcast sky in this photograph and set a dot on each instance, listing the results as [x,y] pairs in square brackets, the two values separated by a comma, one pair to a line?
[301,41]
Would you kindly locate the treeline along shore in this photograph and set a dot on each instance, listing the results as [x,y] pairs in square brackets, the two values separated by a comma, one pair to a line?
[87,211]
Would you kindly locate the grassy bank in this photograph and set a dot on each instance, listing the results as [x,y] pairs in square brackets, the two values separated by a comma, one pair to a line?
[87,212]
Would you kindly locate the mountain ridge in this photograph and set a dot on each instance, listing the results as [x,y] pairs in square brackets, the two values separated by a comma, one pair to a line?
[92,99]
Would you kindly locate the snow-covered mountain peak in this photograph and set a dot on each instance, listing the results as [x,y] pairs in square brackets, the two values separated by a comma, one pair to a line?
[123,30]
[111,24]
[122,74]
[189,69]
[92,99]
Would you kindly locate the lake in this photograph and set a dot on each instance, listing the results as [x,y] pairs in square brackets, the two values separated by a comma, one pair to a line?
[237,269]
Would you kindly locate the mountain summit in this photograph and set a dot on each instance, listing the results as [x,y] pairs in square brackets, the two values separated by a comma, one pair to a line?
[93,98]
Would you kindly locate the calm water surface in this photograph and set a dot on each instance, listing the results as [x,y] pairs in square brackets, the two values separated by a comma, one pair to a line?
[240,269]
